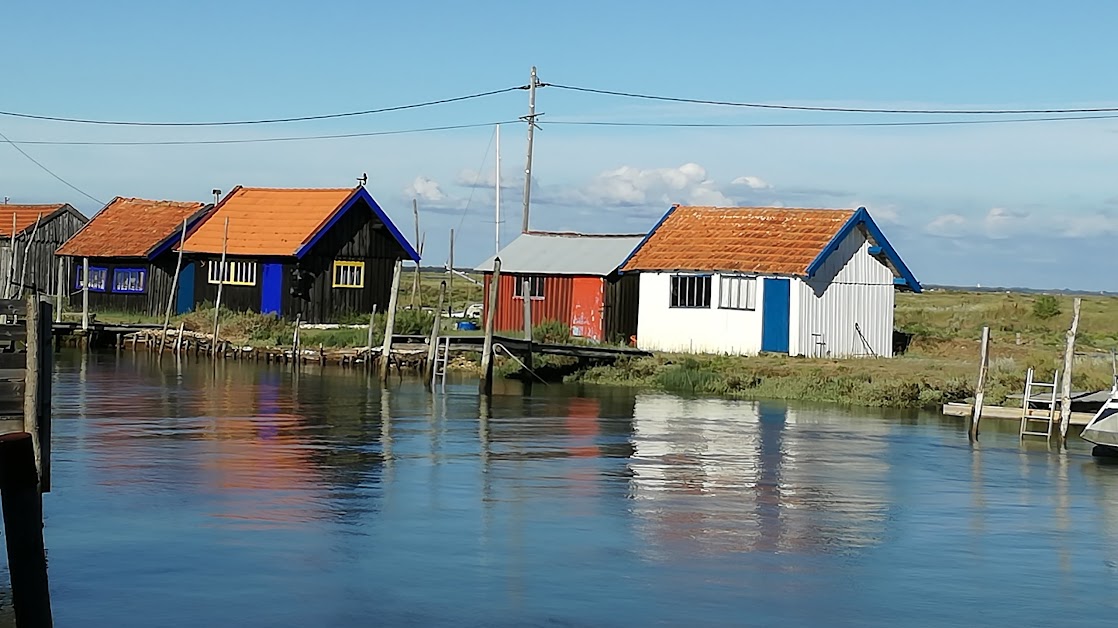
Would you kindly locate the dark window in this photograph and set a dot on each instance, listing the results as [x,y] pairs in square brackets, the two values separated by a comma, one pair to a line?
[129,280]
[690,291]
[535,284]
[98,278]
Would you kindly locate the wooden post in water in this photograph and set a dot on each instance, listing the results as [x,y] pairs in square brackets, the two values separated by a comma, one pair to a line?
[390,321]
[433,342]
[85,297]
[526,290]
[61,291]
[23,530]
[37,388]
[1069,361]
[174,289]
[980,388]
[222,276]
[369,342]
[485,385]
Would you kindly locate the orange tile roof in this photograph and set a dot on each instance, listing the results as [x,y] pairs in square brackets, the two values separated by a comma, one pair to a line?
[742,239]
[267,221]
[130,227]
[25,215]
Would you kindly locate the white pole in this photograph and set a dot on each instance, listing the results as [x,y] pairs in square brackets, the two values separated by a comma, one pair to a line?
[497,219]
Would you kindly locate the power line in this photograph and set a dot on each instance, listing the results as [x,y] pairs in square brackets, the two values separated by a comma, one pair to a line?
[716,125]
[255,140]
[327,116]
[724,103]
[50,172]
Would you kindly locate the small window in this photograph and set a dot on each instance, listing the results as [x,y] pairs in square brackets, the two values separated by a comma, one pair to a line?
[98,278]
[129,280]
[349,274]
[690,291]
[237,273]
[535,284]
[738,293]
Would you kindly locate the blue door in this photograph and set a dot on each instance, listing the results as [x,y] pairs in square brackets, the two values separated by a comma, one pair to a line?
[775,313]
[184,300]
[271,289]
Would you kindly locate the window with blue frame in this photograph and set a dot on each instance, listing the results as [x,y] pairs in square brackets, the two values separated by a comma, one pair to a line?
[130,280]
[98,278]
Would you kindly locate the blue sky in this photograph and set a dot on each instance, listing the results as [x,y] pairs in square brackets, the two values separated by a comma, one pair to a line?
[1006,204]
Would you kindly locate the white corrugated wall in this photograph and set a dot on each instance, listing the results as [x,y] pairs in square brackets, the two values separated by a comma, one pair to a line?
[851,292]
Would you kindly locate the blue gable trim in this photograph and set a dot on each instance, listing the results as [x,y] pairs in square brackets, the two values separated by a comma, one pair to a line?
[862,217]
[646,238]
[173,239]
[360,194]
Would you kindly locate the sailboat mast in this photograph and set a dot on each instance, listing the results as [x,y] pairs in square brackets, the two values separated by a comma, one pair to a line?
[497,209]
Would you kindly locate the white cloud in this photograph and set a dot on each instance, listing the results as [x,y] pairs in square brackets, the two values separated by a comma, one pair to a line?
[885,214]
[1003,223]
[753,183]
[425,189]
[947,225]
[629,187]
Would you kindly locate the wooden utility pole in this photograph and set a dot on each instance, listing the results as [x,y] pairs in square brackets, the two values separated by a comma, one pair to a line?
[174,289]
[433,342]
[390,321]
[485,385]
[526,288]
[531,120]
[415,280]
[1069,361]
[223,276]
[980,388]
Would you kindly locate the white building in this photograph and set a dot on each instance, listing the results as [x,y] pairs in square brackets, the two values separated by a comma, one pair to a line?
[742,280]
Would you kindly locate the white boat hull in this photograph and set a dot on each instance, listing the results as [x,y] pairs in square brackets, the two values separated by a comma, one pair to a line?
[1102,430]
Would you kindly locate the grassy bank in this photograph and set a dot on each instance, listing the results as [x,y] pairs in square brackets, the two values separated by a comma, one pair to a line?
[940,365]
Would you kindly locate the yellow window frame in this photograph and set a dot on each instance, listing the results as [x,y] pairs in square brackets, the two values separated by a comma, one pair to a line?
[338,271]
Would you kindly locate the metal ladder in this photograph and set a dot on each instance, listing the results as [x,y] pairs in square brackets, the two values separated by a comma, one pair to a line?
[442,358]
[1046,396]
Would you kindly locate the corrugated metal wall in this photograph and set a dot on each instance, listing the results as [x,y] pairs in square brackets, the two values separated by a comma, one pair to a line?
[852,288]
[555,305]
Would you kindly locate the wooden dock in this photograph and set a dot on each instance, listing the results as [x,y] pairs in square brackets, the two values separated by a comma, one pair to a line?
[1006,413]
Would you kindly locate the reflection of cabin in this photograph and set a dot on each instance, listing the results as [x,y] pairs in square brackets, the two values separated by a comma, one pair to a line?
[131,263]
[741,280]
[40,230]
[318,254]
[573,279]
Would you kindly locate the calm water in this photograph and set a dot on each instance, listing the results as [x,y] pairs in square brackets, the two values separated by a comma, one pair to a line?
[257,498]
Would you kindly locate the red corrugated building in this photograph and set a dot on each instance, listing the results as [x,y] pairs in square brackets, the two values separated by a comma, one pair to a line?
[573,279]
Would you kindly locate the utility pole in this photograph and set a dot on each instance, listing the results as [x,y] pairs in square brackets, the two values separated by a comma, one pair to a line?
[497,191]
[531,120]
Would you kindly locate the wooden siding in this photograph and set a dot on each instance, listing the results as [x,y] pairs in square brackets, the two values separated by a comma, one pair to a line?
[621,305]
[356,236]
[41,273]
[151,302]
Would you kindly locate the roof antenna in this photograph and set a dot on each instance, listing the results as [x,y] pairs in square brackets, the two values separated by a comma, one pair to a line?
[217,195]
[363,179]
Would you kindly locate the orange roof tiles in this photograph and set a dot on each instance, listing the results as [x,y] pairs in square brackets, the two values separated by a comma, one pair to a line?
[25,215]
[130,227]
[267,221]
[742,239]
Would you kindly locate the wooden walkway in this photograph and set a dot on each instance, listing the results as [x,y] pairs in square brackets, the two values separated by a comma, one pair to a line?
[1003,412]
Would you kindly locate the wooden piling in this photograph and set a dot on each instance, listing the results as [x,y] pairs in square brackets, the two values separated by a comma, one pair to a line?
[222,276]
[1069,361]
[23,530]
[433,342]
[174,289]
[980,388]
[390,321]
[37,385]
[61,295]
[526,290]
[85,296]
[485,384]
[369,342]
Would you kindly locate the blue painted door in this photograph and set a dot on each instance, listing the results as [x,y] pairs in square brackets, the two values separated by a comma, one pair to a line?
[184,300]
[271,289]
[775,314]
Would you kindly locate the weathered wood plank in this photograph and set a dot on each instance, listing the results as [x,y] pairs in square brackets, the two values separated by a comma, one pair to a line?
[45,365]
[13,361]
[11,424]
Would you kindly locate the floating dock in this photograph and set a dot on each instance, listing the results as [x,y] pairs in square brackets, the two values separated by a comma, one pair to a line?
[1006,413]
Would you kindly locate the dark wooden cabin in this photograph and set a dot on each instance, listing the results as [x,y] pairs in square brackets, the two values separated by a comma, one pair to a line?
[317,254]
[572,279]
[40,230]
[128,245]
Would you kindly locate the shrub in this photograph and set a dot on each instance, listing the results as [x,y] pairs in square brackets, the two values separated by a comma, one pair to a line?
[1045,307]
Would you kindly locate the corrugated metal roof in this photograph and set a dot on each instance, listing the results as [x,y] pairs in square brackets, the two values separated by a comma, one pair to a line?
[546,253]
[743,239]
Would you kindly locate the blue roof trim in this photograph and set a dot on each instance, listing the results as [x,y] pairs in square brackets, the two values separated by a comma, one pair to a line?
[620,266]
[862,217]
[360,194]
[173,239]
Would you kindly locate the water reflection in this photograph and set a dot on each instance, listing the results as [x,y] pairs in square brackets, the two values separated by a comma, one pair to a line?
[717,476]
